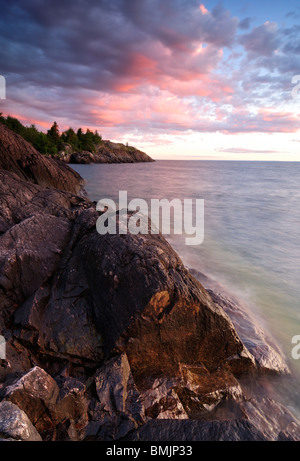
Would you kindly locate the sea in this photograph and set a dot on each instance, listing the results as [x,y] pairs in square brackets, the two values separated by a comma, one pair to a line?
[251,231]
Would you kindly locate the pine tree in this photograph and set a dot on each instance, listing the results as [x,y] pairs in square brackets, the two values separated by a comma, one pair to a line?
[54,134]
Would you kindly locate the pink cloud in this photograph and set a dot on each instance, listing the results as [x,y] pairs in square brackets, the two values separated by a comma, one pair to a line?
[150,67]
[203,9]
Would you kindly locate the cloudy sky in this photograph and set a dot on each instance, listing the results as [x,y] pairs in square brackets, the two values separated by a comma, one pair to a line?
[176,78]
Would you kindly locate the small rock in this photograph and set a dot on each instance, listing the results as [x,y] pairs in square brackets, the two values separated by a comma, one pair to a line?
[15,424]
[36,394]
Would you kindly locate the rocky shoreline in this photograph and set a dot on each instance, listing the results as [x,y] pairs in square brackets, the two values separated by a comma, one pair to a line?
[106,152]
[111,337]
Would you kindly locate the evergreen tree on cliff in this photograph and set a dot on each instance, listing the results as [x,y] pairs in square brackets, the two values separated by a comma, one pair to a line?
[54,133]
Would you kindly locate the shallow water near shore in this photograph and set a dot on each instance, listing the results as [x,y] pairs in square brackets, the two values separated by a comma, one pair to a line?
[252,226]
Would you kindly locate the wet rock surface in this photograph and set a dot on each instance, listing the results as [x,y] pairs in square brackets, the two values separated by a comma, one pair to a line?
[157,312]
[110,337]
[257,340]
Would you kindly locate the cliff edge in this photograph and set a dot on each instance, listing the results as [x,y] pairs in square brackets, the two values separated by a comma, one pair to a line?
[105,152]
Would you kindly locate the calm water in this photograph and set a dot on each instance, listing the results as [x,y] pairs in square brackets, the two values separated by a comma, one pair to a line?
[252,226]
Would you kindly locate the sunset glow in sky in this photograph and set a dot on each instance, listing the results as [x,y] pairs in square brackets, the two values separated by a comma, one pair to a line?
[175,78]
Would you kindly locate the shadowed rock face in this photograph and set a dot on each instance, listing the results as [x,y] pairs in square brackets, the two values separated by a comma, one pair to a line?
[20,157]
[42,283]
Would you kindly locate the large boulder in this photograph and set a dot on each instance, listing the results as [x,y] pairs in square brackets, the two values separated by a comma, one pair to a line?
[156,311]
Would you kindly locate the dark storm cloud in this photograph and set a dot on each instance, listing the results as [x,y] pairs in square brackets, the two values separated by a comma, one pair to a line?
[147,64]
[176,23]
[65,45]
[93,44]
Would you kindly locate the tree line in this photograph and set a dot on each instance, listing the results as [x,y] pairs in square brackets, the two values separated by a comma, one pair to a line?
[53,141]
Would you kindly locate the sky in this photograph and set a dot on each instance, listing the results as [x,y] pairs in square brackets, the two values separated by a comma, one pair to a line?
[178,79]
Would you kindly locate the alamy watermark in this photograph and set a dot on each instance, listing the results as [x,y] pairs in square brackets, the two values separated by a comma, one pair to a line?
[2,348]
[2,87]
[296,349]
[295,90]
[181,217]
